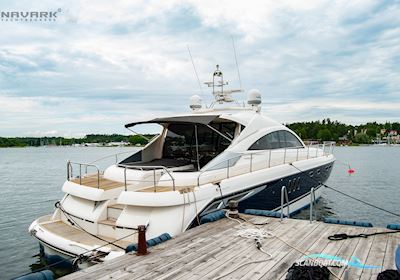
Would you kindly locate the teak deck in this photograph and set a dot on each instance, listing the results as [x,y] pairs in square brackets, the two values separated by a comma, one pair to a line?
[213,249]
[93,182]
[62,229]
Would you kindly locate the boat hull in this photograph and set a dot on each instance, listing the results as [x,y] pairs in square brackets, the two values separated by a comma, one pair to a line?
[267,195]
[257,195]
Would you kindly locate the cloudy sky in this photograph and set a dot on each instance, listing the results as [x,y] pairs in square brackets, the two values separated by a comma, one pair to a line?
[102,64]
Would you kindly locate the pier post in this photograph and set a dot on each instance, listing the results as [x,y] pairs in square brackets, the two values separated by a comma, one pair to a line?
[142,245]
[233,211]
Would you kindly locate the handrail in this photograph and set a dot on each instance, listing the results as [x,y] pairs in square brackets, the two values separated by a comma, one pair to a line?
[236,157]
[154,168]
[86,165]
[269,153]
[312,202]
[69,173]
[284,194]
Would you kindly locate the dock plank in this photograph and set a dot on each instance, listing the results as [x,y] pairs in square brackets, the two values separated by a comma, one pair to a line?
[389,259]
[197,254]
[347,247]
[288,257]
[195,235]
[278,251]
[214,249]
[361,252]
[211,263]
[376,257]
[236,255]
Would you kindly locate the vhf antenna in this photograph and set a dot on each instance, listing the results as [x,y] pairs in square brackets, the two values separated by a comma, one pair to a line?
[237,65]
[194,68]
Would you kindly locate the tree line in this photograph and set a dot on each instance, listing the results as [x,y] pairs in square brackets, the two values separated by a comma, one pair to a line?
[62,141]
[324,130]
[327,130]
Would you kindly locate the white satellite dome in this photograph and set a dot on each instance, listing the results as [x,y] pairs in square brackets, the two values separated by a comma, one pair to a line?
[254,97]
[195,102]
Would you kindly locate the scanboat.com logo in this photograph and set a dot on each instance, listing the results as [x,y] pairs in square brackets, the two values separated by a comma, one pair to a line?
[29,16]
[330,260]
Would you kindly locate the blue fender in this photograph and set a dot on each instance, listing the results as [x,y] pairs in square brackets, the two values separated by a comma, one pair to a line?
[212,217]
[393,226]
[266,213]
[398,258]
[41,275]
[151,242]
[348,223]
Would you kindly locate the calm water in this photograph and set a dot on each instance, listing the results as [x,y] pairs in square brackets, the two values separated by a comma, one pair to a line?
[31,180]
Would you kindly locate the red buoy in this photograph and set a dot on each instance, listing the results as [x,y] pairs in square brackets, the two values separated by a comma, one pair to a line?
[350,171]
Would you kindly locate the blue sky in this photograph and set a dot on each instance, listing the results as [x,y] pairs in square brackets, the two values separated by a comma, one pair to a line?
[105,63]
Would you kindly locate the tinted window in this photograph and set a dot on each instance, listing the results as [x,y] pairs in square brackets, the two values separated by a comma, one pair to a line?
[291,140]
[276,140]
[180,141]
[273,140]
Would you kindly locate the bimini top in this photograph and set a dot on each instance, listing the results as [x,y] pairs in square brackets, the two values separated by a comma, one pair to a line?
[199,119]
[242,116]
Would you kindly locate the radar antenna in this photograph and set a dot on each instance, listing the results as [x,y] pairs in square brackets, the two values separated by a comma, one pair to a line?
[218,91]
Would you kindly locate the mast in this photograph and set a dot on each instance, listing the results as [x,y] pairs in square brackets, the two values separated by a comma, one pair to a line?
[218,91]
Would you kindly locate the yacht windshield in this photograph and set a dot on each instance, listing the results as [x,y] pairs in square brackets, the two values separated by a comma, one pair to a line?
[181,142]
[186,145]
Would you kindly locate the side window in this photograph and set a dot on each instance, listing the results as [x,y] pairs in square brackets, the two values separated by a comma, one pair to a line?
[292,141]
[273,140]
[260,144]
[276,140]
[282,139]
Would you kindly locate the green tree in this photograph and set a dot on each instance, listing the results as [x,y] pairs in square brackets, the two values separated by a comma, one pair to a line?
[371,131]
[324,134]
[302,132]
[362,138]
[136,139]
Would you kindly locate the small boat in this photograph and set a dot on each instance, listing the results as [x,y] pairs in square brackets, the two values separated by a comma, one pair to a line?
[195,165]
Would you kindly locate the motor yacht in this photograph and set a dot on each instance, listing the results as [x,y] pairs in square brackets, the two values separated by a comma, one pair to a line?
[194,166]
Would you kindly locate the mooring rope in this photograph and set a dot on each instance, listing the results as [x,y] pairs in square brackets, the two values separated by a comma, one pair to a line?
[249,233]
[195,206]
[183,212]
[342,236]
[78,257]
[74,223]
[253,234]
[345,194]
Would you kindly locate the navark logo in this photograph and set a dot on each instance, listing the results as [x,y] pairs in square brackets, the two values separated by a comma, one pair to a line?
[29,16]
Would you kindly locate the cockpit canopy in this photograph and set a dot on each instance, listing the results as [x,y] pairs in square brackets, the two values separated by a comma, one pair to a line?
[187,141]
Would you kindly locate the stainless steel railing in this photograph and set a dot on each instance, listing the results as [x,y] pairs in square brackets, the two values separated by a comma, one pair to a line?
[86,165]
[142,168]
[279,156]
[284,195]
[70,174]
[313,201]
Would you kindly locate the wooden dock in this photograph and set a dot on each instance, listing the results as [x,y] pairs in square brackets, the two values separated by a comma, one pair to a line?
[214,249]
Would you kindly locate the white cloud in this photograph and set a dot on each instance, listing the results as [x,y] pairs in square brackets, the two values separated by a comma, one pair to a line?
[13,105]
[102,65]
